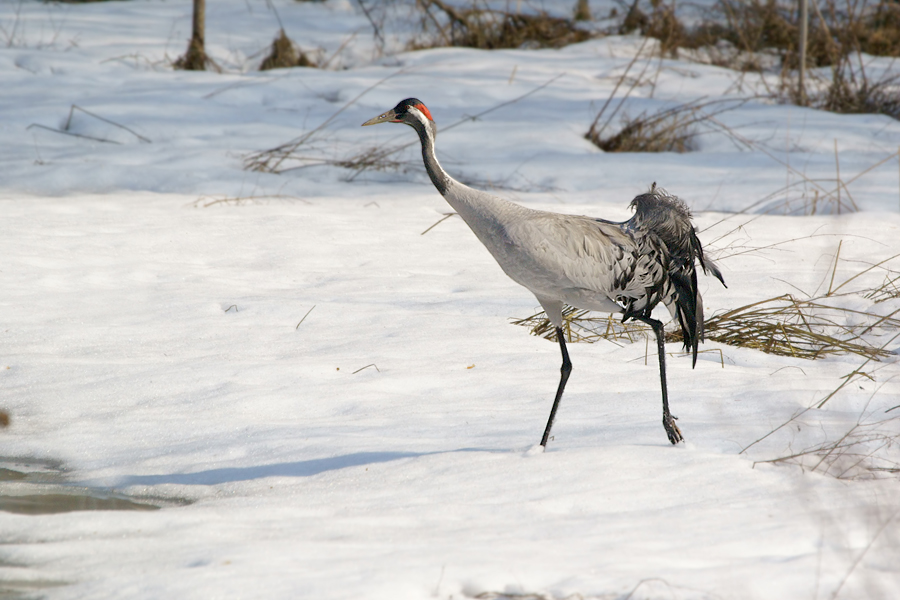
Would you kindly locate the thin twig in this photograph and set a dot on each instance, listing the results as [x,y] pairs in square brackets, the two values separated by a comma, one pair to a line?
[304,317]
[884,525]
[99,118]
[78,135]
[376,29]
[616,88]
[383,154]
[441,220]
[255,162]
[847,378]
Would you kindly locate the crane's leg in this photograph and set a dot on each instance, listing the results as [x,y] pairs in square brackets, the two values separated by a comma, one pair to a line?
[563,378]
[668,420]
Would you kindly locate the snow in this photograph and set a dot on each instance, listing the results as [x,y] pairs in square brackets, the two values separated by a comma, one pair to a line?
[329,404]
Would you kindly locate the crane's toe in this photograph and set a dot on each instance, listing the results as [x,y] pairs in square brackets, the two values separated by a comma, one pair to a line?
[672,429]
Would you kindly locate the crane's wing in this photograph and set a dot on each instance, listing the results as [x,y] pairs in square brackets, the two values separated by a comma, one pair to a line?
[587,263]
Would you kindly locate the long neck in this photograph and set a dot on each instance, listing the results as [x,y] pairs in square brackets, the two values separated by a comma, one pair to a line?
[486,215]
[439,177]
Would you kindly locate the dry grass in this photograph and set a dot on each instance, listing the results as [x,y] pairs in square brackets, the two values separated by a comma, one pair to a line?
[480,26]
[194,59]
[866,450]
[835,29]
[671,129]
[582,11]
[661,23]
[309,149]
[849,90]
[525,596]
[208,201]
[580,326]
[756,35]
[785,325]
[66,128]
[651,587]
[888,290]
[285,54]
[293,154]
[802,328]
[830,195]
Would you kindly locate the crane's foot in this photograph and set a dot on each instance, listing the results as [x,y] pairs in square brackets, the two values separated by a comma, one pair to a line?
[672,429]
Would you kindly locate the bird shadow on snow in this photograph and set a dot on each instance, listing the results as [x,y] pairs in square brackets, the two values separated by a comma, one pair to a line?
[302,468]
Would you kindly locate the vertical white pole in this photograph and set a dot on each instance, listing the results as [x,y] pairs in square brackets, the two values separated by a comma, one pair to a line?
[804,19]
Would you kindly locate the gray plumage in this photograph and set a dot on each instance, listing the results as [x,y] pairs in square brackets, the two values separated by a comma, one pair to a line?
[588,263]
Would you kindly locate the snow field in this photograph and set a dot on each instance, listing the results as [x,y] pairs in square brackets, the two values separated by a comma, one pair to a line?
[155,347]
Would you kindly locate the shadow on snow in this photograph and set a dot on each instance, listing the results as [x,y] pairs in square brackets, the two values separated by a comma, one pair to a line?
[302,468]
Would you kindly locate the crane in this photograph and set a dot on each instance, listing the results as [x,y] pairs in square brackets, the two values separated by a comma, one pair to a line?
[588,263]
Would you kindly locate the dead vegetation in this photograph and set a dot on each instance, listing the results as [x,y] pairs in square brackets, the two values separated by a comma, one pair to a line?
[285,54]
[255,199]
[850,90]
[888,290]
[477,25]
[754,26]
[668,129]
[195,58]
[802,328]
[581,326]
[804,195]
[308,149]
[671,129]
[785,325]
[750,28]
[758,35]
[70,125]
[862,451]
[866,447]
[302,151]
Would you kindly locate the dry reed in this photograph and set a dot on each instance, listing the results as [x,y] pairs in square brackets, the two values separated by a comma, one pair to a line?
[284,54]
[487,28]
[784,325]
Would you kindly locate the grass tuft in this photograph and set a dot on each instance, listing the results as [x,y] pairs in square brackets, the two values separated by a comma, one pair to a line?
[784,325]
[788,326]
[284,54]
[861,452]
[491,29]
[667,130]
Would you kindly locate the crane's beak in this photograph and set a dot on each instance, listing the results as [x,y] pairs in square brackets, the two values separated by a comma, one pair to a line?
[387,117]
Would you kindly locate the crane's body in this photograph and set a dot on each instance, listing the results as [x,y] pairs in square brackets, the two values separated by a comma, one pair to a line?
[588,263]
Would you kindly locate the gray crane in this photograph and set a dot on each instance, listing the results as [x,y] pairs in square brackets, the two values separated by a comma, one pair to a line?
[584,262]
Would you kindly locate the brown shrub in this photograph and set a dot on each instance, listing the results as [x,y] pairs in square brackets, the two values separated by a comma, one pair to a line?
[490,29]
[284,55]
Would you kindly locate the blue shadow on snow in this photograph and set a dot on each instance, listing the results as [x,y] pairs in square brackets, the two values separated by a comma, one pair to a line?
[302,468]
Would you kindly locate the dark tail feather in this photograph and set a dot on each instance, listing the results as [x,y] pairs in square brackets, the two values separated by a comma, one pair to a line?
[689,308]
[709,267]
[670,219]
[687,295]
[688,302]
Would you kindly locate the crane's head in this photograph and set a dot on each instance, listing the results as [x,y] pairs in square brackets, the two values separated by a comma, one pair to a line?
[408,111]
